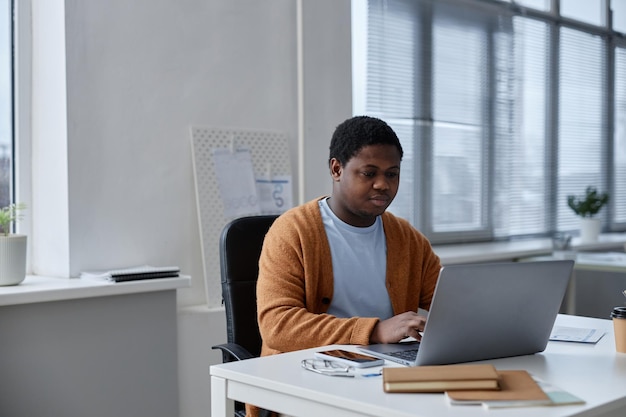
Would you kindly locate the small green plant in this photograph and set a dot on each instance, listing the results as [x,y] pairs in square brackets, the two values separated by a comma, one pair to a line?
[590,204]
[9,215]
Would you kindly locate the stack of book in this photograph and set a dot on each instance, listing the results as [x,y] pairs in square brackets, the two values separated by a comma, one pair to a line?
[133,274]
[477,384]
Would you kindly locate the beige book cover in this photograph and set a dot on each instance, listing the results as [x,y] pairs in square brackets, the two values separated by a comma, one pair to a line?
[515,385]
[440,378]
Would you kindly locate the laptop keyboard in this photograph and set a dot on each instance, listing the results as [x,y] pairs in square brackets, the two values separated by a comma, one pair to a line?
[409,355]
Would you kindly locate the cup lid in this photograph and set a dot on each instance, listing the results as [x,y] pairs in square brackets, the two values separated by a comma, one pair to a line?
[619,312]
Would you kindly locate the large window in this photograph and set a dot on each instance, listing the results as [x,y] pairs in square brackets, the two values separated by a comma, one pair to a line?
[503,110]
[6,103]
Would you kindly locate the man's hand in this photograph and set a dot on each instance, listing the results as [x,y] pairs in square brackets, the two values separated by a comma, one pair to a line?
[399,327]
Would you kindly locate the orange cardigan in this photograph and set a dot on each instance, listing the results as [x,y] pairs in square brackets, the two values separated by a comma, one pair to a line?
[295,285]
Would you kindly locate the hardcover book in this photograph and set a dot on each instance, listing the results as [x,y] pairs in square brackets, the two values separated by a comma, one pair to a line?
[517,388]
[440,378]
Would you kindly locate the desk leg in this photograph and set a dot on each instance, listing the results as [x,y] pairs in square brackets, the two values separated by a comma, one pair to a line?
[221,406]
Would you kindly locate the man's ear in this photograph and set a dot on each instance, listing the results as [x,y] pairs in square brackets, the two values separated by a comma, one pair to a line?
[335,169]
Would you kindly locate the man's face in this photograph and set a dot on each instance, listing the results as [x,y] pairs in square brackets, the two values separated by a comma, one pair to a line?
[366,185]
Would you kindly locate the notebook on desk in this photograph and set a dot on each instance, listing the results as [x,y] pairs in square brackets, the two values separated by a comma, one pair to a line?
[486,311]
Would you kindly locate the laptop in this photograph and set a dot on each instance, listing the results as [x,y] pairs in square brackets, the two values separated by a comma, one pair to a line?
[486,311]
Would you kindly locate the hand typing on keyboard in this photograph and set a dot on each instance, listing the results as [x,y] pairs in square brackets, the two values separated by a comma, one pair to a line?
[396,328]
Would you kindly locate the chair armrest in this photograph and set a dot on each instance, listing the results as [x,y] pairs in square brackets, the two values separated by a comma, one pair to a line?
[233,351]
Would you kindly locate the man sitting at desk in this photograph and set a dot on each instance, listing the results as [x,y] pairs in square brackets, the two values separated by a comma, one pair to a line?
[341,269]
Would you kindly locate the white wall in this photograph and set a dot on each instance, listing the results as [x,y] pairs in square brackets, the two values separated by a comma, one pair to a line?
[138,75]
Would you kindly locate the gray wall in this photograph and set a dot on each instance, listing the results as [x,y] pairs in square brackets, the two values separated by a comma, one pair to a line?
[99,357]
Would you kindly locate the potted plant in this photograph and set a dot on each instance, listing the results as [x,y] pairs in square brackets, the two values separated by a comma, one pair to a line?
[587,207]
[12,247]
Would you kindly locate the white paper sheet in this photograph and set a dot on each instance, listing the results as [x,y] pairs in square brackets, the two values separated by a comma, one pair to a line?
[575,334]
[275,195]
[235,177]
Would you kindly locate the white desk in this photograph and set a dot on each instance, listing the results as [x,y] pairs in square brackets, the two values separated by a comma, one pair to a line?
[593,372]
[607,261]
[597,283]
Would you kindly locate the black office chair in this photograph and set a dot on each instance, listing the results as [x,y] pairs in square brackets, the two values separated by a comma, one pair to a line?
[240,248]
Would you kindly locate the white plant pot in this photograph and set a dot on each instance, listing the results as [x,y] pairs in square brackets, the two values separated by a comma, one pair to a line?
[589,229]
[12,259]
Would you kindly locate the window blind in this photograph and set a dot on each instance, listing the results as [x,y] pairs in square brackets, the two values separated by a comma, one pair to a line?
[619,137]
[581,120]
[522,158]
[393,42]
[460,113]
[501,114]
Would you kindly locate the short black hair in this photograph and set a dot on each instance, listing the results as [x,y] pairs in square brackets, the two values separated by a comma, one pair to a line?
[357,132]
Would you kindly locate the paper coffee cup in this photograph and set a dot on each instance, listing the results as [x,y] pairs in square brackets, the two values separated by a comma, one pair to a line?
[619,325]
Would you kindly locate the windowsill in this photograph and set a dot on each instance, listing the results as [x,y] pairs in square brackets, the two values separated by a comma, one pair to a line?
[507,251]
[37,289]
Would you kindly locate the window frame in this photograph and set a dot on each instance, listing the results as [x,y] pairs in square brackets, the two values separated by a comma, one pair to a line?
[8,74]
[22,119]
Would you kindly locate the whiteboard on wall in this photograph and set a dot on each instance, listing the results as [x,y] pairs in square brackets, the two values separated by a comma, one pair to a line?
[269,152]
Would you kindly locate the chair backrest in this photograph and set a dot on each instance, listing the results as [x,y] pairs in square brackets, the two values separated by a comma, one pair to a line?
[240,248]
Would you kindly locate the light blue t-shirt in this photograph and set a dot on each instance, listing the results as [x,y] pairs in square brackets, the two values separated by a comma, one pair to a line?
[359,257]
